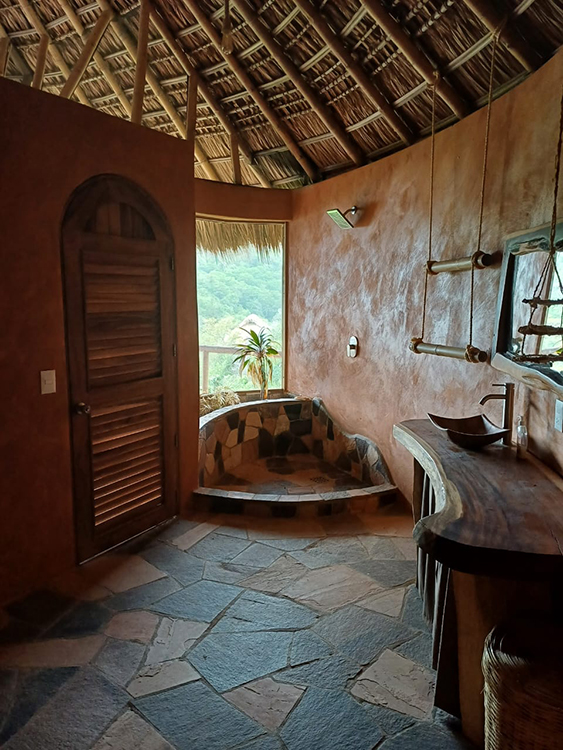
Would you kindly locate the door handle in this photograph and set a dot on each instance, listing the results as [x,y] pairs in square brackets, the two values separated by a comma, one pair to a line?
[82,408]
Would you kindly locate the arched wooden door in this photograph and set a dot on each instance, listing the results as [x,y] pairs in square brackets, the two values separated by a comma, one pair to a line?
[120,317]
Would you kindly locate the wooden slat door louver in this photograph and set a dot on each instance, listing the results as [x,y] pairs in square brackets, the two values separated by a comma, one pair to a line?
[121,343]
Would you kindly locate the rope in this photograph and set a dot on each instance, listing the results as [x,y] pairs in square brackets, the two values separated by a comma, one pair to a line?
[431,205]
[551,261]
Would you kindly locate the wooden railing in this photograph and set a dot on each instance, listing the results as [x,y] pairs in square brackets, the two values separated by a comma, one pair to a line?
[206,351]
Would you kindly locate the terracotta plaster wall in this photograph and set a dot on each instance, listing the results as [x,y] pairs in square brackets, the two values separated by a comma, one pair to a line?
[49,146]
[368,281]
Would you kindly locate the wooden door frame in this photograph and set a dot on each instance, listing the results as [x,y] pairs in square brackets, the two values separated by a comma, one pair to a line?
[80,206]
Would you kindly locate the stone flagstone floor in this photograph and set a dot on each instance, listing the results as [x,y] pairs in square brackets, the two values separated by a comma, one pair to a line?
[229,633]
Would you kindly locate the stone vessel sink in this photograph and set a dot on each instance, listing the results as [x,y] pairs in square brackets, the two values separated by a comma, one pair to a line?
[469,432]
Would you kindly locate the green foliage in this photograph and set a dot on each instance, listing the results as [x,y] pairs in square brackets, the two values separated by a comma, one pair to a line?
[254,356]
[228,290]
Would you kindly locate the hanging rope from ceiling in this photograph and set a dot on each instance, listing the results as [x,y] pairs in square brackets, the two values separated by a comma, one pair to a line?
[478,260]
[541,298]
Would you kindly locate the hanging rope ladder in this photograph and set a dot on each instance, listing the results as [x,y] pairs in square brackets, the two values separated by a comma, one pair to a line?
[541,299]
[478,260]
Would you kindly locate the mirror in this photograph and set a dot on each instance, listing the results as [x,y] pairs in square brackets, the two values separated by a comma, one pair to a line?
[529,347]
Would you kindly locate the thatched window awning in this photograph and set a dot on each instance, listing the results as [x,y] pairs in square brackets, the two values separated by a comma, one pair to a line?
[225,237]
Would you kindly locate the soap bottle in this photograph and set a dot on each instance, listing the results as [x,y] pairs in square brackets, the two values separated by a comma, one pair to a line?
[521,438]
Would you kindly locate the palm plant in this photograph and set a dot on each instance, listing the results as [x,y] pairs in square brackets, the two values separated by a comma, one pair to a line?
[255,357]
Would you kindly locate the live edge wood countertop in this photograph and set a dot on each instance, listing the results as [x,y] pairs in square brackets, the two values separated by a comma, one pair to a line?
[496,515]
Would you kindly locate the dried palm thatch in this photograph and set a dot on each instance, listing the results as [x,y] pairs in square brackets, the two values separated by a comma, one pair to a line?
[226,237]
[303,102]
[209,402]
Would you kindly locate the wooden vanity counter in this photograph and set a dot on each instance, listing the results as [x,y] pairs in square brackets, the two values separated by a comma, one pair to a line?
[495,515]
[489,529]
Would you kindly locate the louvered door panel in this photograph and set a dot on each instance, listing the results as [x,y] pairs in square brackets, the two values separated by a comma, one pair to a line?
[122,308]
[127,459]
[120,315]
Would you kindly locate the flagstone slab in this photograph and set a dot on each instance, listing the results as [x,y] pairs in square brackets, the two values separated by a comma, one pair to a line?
[257,611]
[407,547]
[182,566]
[258,555]
[202,601]
[382,548]
[331,551]
[131,732]
[219,548]
[58,652]
[228,660]
[74,718]
[389,721]
[413,611]
[120,573]
[173,639]
[418,649]
[86,618]
[425,736]
[163,676]
[306,647]
[266,701]
[193,535]
[361,634]
[227,572]
[288,545]
[388,573]
[331,673]
[331,588]
[143,596]
[284,571]
[387,602]
[210,723]
[132,626]
[40,608]
[397,683]
[329,719]
[119,660]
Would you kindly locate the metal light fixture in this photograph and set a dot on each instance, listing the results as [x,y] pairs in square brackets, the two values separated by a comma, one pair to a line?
[340,219]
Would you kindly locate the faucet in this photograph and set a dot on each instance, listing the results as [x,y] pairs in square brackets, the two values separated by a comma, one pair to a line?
[508,410]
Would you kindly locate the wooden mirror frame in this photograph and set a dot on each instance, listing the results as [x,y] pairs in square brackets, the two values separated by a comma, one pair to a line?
[524,373]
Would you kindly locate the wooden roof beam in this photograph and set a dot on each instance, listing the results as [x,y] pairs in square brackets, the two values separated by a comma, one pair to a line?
[37,24]
[209,97]
[17,59]
[103,66]
[322,110]
[141,62]
[4,54]
[39,72]
[415,56]
[127,40]
[335,43]
[516,44]
[237,68]
[90,46]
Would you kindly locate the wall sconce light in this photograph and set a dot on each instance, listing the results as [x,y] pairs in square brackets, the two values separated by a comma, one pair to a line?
[340,219]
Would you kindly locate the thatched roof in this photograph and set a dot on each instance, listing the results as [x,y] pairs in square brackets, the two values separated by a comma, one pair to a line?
[226,237]
[313,87]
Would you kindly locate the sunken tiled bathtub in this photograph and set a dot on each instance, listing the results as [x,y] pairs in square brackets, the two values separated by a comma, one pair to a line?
[287,457]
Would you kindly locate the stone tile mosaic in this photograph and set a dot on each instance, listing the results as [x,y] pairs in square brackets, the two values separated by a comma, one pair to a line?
[257,611]
[361,634]
[219,548]
[387,602]
[74,718]
[124,572]
[210,723]
[257,555]
[328,673]
[163,676]
[412,611]
[173,639]
[398,683]
[201,601]
[131,732]
[227,572]
[382,548]
[184,567]
[389,721]
[266,701]
[337,720]
[419,649]
[331,551]
[307,646]
[193,535]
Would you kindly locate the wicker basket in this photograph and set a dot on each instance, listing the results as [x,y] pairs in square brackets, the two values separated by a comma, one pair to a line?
[523,670]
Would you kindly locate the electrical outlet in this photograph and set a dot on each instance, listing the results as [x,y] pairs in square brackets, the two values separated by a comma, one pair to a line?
[558,416]
[48,381]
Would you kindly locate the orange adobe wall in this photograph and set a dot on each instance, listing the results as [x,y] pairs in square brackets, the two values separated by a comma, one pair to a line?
[368,281]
